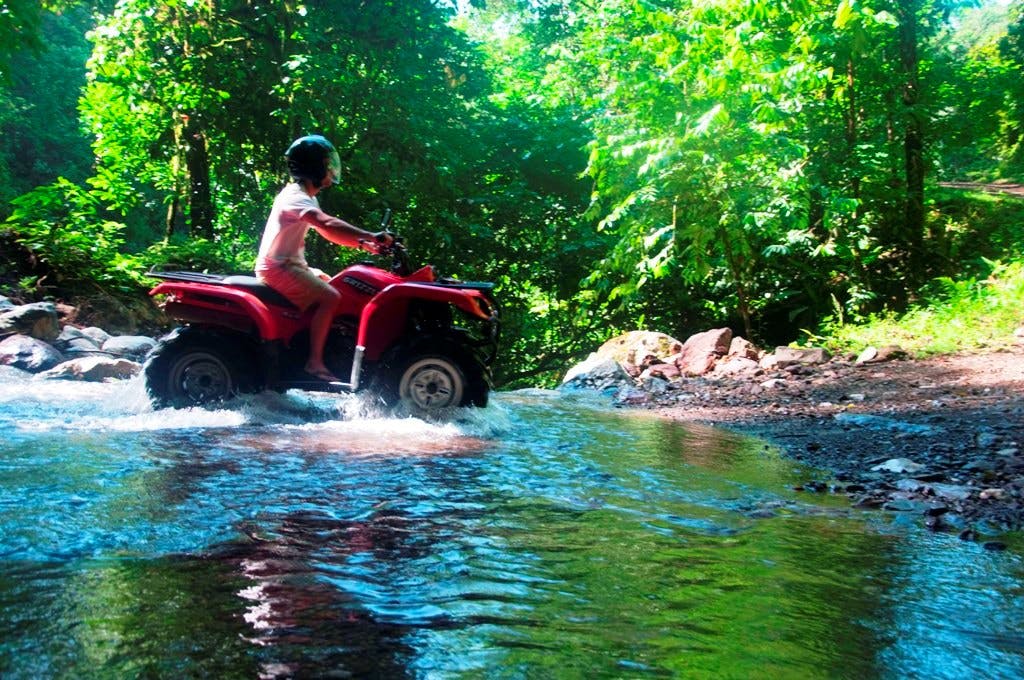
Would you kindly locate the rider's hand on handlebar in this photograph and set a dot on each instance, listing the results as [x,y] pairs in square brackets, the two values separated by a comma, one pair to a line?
[381,243]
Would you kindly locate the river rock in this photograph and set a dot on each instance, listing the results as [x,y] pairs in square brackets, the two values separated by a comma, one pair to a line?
[952,492]
[788,356]
[872,355]
[663,371]
[700,352]
[736,365]
[741,347]
[37,320]
[632,396]
[596,373]
[99,335]
[655,386]
[637,350]
[93,369]
[73,342]
[900,465]
[28,353]
[130,346]
[5,304]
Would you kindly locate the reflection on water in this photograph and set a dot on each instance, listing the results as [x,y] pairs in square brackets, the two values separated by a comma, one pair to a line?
[298,536]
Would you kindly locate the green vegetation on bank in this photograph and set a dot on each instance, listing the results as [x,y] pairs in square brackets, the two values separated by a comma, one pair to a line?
[677,165]
[967,315]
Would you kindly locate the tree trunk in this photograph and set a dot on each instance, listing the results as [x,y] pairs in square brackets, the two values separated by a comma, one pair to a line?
[912,234]
[197,161]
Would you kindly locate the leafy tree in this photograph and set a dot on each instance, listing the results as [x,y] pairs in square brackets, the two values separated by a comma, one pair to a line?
[1011,48]
[40,138]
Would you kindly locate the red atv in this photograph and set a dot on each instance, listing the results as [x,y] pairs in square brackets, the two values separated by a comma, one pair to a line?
[409,337]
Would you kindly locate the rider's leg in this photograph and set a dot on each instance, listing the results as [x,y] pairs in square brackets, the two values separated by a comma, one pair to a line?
[319,326]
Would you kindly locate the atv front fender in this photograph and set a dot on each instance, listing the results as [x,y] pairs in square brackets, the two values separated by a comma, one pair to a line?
[384,317]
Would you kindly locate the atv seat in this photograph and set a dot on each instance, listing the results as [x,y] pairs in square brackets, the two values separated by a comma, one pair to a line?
[261,290]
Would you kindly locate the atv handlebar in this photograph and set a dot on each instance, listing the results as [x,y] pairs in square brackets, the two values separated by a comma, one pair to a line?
[400,262]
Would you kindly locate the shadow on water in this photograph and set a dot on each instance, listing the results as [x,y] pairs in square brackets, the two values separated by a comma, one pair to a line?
[545,536]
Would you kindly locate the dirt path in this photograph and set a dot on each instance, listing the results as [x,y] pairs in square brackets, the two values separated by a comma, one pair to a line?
[993,188]
[954,423]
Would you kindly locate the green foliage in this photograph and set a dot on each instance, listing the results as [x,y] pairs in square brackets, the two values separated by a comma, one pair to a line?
[960,315]
[38,103]
[195,254]
[72,247]
[666,165]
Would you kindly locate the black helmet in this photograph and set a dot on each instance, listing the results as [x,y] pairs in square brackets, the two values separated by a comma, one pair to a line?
[310,157]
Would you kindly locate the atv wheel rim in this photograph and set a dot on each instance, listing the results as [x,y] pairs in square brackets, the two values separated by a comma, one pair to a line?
[432,384]
[202,378]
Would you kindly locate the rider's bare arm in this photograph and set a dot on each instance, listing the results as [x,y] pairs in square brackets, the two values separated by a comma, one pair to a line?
[341,232]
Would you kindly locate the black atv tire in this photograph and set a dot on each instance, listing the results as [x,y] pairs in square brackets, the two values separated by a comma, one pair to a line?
[193,369]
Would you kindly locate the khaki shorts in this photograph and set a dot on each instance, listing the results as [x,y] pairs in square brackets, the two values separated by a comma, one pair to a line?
[298,282]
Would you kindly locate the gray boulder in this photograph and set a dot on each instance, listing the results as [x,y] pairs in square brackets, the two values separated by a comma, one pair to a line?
[596,373]
[73,342]
[98,335]
[93,369]
[129,346]
[788,356]
[37,320]
[28,354]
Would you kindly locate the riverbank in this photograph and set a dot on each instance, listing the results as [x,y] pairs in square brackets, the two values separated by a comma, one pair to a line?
[942,437]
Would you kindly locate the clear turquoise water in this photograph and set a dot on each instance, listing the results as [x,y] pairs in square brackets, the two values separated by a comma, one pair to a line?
[542,537]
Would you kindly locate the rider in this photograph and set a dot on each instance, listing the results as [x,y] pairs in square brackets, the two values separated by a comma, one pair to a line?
[281,263]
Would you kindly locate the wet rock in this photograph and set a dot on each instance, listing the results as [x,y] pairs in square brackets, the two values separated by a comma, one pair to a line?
[986,438]
[73,342]
[5,304]
[99,335]
[910,485]
[37,320]
[968,535]
[884,423]
[28,354]
[952,492]
[994,546]
[93,369]
[813,486]
[596,373]
[903,505]
[654,386]
[129,346]
[936,510]
[900,465]
[632,396]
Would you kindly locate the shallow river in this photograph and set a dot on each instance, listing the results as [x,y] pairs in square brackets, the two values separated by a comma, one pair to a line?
[543,537]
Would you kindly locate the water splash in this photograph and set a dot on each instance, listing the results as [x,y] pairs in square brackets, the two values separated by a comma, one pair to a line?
[35,405]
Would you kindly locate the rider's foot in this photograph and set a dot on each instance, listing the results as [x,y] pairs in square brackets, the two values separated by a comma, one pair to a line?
[321,373]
